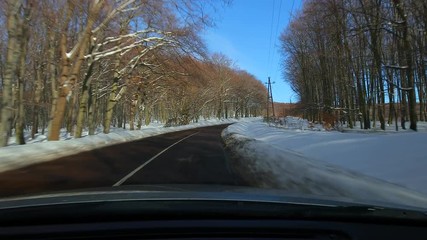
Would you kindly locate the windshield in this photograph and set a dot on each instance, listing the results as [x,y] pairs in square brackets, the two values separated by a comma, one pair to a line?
[318,98]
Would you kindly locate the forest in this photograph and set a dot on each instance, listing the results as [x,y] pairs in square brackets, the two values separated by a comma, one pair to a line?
[81,65]
[359,61]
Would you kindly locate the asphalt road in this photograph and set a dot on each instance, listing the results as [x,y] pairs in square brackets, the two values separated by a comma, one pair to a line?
[193,156]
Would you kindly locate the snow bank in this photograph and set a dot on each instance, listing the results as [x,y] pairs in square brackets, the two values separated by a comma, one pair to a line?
[359,167]
[389,128]
[296,123]
[18,156]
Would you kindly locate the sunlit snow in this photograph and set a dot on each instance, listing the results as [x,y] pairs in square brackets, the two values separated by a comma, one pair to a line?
[376,166]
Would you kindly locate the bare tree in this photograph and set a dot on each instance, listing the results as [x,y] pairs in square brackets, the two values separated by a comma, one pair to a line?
[361,52]
[15,20]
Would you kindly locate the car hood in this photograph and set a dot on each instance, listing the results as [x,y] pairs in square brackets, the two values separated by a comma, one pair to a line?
[182,192]
[159,202]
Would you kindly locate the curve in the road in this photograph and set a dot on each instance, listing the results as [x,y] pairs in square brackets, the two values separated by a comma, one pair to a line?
[175,158]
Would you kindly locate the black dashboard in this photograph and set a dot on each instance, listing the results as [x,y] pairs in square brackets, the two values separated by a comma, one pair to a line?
[157,215]
[216,229]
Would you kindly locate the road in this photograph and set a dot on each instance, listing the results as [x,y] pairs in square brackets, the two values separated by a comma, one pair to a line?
[193,156]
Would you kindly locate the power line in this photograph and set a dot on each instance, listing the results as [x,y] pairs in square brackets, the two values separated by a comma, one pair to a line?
[276,36]
[277,27]
[271,35]
[278,19]
[274,47]
[292,9]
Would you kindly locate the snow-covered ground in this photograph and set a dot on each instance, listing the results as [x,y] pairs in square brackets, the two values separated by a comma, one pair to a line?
[390,167]
[381,166]
[39,149]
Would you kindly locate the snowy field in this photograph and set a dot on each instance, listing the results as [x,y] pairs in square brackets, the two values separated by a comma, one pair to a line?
[40,150]
[376,166]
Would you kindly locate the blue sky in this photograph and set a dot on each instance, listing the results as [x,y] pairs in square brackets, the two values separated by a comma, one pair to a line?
[243,32]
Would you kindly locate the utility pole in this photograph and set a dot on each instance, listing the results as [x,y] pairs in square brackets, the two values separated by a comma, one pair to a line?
[270,100]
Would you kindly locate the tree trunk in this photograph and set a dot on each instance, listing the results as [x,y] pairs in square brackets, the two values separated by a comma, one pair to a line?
[147,117]
[36,101]
[112,101]
[133,107]
[82,111]
[365,106]
[92,106]
[83,106]
[70,120]
[421,80]
[12,61]
[71,65]
[123,115]
[140,112]
[20,124]
[52,79]
[408,60]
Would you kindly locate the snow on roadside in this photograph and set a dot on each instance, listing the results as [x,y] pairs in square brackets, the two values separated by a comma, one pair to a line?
[17,156]
[360,167]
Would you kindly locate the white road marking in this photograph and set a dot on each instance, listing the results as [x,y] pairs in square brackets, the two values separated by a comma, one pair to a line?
[147,162]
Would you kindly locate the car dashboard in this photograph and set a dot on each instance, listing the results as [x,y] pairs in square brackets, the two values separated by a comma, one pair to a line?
[158,215]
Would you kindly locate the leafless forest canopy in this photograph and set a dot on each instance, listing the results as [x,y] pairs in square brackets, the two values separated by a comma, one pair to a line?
[359,60]
[83,65]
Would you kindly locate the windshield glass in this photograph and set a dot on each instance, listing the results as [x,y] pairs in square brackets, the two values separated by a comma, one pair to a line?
[313,98]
